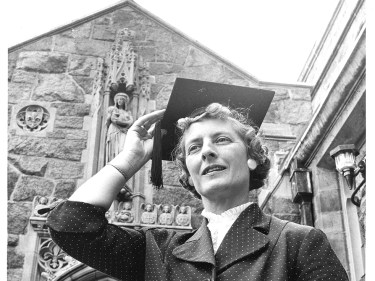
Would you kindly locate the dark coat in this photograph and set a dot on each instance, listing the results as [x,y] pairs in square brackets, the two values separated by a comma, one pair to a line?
[258,247]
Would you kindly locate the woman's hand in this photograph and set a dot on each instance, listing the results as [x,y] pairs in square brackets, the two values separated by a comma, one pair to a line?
[138,143]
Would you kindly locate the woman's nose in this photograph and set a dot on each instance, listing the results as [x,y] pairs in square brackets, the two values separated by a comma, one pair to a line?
[208,151]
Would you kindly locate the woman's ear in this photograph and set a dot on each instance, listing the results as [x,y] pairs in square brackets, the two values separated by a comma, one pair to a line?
[252,164]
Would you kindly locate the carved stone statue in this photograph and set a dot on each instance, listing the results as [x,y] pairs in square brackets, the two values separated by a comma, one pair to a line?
[108,216]
[149,214]
[41,203]
[183,217]
[119,119]
[166,217]
[125,214]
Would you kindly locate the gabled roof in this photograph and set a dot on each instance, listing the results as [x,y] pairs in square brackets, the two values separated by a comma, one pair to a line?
[144,12]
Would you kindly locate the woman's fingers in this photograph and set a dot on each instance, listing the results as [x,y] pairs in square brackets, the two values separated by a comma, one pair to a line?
[147,120]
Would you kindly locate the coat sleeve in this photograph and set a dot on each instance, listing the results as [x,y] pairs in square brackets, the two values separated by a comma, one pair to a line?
[82,231]
[317,261]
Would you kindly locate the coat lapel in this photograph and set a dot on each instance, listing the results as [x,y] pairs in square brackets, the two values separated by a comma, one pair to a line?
[197,248]
[247,236]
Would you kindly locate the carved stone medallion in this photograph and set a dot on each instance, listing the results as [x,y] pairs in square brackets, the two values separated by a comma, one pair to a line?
[32,118]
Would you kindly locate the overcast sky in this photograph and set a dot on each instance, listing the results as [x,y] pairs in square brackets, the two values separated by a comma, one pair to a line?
[270,39]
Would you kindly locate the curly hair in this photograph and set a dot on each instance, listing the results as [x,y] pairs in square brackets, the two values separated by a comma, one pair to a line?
[248,132]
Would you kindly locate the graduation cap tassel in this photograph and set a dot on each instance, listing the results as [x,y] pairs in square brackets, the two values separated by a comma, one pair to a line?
[156,165]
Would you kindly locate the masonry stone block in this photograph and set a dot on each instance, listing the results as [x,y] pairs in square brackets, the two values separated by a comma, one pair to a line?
[81,31]
[43,44]
[174,52]
[280,94]
[331,221]
[102,32]
[33,166]
[69,122]
[148,53]
[12,62]
[82,46]
[329,200]
[156,88]
[273,114]
[59,169]
[18,217]
[30,186]
[122,16]
[287,145]
[14,274]
[21,76]
[303,94]
[235,81]
[211,73]
[295,112]
[104,20]
[13,176]
[14,259]
[170,173]
[336,240]
[166,79]
[284,206]
[158,68]
[43,62]
[272,145]
[197,57]
[10,107]
[273,129]
[64,189]
[51,148]
[18,91]
[86,83]
[13,240]
[163,97]
[69,134]
[58,87]
[81,65]
[325,179]
[71,109]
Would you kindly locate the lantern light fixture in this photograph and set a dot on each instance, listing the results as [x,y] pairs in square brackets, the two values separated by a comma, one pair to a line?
[345,159]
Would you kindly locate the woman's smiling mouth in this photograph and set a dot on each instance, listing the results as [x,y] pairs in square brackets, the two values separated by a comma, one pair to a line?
[212,169]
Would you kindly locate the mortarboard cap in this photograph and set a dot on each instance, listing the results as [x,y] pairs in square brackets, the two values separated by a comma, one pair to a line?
[189,95]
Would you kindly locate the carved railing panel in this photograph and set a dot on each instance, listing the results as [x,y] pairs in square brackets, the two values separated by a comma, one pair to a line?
[52,260]
[124,214]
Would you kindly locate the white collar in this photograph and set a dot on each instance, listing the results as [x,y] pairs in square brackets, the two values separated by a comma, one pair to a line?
[231,214]
[219,225]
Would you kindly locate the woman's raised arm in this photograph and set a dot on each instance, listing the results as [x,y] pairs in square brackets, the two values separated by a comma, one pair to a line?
[102,188]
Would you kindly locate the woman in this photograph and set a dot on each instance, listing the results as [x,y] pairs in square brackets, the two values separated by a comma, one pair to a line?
[221,158]
[118,121]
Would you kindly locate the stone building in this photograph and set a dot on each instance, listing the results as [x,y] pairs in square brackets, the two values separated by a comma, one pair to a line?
[60,91]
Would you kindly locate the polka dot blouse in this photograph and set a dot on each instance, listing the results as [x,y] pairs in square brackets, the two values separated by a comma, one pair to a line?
[257,247]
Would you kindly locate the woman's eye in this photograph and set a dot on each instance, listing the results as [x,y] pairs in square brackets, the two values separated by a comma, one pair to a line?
[193,148]
[222,139]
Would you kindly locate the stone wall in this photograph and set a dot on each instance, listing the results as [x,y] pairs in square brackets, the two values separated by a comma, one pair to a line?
[57,73]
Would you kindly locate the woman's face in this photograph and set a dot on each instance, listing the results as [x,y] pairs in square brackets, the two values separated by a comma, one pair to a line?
[121,101]
[216,158]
